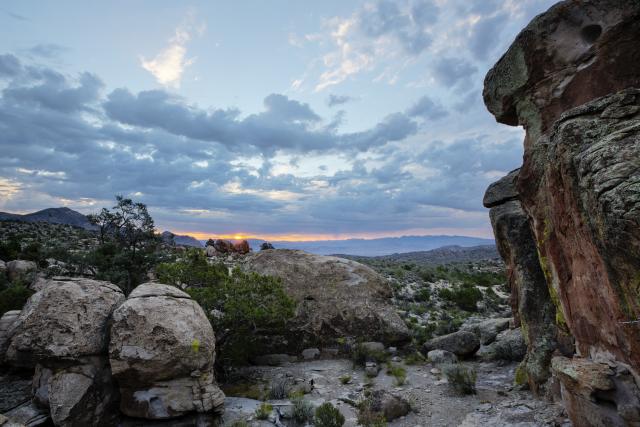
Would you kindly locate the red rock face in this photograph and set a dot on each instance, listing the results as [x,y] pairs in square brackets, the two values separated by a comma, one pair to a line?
[572,79]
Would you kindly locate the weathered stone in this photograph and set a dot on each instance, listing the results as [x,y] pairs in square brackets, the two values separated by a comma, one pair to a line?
[575,52]
[66,320]
[487,329]
[310,353]
[211,251]
[598,394]
[162,354]
[371,369]
[7,327]
[461,343]
[20,271]
[502,191]
[83,395]
[509,345]
[3,268]
[372,346]
[570,79]
[442,357]
[389,405]
[336,298]
[242,247]
[28,415]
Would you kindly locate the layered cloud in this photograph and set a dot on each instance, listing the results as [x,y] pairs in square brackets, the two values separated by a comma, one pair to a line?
[66,140]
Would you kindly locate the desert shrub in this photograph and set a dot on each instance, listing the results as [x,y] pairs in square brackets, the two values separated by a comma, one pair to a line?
[344,379]
[415,358]
[360,355]
[367,417]
[302,410]
[192,271]
[263,411]
[423,294]
[328,415]
[279,389]
[14,297]
[466,296]
[399,373]
[461,378]
[241,305]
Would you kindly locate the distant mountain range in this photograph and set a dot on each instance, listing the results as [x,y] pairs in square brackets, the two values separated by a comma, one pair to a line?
[52,215]
[361,247]
[377,247]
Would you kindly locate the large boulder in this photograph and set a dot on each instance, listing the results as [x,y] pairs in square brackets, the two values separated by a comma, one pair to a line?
[66,320]
[336,298]
[571,79]
[487,329]
[161,352]
[20,271]
[461,343]
[508,345]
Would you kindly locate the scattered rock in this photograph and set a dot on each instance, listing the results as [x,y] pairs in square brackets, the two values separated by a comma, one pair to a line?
[371,369]
[487,329]
[242,247]
[442,357]
[390,405]
[509,345]
[20,271]
[461,343]
[310,353]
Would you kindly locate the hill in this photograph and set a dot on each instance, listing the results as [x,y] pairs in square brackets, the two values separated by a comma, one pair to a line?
[440,256]
[63,216]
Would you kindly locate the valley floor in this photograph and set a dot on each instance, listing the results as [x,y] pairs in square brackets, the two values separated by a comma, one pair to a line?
[432,400]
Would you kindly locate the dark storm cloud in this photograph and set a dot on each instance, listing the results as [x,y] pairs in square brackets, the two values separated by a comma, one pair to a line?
[9,65]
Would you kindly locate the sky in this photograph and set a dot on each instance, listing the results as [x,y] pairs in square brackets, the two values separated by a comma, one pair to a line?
[278,119]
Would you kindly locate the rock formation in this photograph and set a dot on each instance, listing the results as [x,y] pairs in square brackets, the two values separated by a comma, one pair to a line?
[571,80]
[336,298]
[79,335]
[162,353]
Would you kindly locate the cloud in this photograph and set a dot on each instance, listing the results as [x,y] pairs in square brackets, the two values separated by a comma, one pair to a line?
[67,142]
[426,108]
[9,65]
[453,72]
[334,100]
[169,65]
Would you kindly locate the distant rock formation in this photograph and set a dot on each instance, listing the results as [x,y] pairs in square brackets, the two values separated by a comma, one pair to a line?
[52,215]
[225,247]
[571,78]
[336,298]
[180,240]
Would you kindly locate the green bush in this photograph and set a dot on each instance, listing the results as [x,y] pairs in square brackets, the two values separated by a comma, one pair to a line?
[399,373]
[192,271]
[360,355]
[367,417]
[328,415]
[302,410]
[14,297]
[461,378]
[345,379]
[263,411]
[466,296]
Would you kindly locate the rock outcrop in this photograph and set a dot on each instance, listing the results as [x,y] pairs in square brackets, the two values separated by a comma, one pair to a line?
[161,352]
[571,79]
[335,298]
[531,302]
[79,335]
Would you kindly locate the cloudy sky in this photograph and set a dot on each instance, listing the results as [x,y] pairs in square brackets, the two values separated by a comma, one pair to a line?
[279,119]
